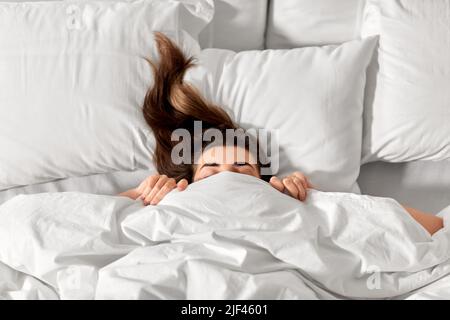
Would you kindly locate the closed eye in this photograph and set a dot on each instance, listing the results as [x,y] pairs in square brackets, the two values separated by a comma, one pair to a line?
[212,164]
[241,164]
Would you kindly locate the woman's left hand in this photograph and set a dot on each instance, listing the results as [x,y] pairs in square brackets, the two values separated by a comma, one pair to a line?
[296,184]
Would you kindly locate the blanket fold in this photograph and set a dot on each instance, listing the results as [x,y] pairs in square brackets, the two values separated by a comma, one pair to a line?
[229,236]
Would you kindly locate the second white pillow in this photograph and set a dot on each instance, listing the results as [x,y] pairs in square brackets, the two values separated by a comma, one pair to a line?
[407,111]
[312,96]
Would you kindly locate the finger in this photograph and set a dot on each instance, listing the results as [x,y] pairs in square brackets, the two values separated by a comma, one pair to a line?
[182,184]
[301,176]
[162,193]
[276,183]
[291,187]
[163,183]
[142,185]
[146,191]
[147,185]
[302,190]
[301,183]
[304,183]
[158,186]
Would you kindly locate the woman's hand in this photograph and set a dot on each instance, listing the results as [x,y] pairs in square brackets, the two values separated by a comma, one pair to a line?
[153,189]
[296,184]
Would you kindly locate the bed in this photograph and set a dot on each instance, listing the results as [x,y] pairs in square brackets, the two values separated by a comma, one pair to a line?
[411,174]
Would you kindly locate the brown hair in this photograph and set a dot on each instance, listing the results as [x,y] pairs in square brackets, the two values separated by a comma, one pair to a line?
[172,104]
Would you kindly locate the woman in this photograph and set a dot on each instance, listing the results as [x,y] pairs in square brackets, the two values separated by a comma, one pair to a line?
[172,104]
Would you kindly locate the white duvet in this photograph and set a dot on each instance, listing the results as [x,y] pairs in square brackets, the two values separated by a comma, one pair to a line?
[230,236]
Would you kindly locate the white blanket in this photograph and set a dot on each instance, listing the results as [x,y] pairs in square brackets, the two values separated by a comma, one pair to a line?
[229,236]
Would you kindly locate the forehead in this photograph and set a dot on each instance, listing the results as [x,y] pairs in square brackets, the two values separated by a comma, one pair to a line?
[226,155]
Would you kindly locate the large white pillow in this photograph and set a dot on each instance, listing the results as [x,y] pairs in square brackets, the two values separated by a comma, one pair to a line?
[237,25]
[299,23]
[312,96]
[73,76]
[407,113]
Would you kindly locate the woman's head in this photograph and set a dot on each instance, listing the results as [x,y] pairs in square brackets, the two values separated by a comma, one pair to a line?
[172,104]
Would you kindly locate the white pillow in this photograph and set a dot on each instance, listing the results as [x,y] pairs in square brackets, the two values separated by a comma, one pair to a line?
[313,96]
[237,25]
[73,77]
[407,113]
[299,23]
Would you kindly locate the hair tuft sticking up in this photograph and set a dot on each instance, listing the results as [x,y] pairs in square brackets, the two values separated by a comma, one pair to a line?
[172,104]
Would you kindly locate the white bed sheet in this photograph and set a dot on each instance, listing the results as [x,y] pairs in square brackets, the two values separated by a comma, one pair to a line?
[17,285]
[273,247]
[107,184]
[423,185]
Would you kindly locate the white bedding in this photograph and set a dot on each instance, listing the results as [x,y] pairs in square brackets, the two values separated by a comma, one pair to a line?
[424,185]
[110,183]
[64,65]
[228,236]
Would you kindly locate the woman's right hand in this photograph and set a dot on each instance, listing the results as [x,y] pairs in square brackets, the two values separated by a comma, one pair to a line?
[154,188]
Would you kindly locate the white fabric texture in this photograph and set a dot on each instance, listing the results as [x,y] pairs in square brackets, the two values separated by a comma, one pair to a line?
[237,25]
[300,23]
[73,76]
[15,285]
[424,185]
[210,241]
[407,109]
[111,183]
[312,97]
